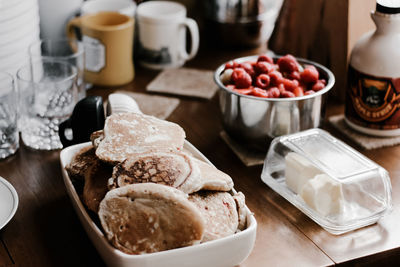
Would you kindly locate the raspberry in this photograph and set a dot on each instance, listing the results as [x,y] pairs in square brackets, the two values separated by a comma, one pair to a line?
[246,91]
[281,88]
[275,78]
[295,75]
[241,78]
[288,64]
[309,75]
[260,92]
[274,92]
[298,91]
[231,65]
[262,81]
[319,85]
[263,67]
[265,58]
[287,94]
[248,68]
[289,84]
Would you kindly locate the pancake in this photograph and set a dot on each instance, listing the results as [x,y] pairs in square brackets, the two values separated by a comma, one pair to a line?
[219,212]
[96,138]
[174,169]
[80,163]
[212,178]
[130,134]
[148,217]
[95,188]
[241,209]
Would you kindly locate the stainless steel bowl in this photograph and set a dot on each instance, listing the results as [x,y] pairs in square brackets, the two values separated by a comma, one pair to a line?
[254,121]
[241,23]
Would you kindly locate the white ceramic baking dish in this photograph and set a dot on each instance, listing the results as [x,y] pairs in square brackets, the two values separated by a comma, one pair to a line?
[228,251]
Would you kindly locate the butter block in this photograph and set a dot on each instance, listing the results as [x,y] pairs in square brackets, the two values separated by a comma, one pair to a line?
[323,194]
[298,171]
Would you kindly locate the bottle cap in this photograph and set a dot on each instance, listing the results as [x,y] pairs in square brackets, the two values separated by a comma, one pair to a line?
[388,6]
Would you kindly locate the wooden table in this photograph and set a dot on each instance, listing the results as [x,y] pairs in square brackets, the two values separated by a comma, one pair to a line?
[45,231]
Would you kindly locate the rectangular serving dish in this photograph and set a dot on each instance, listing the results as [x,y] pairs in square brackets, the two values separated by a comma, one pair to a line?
[227,251]
[365,186]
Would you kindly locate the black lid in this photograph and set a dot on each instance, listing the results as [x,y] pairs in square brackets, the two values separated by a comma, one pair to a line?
[388,6]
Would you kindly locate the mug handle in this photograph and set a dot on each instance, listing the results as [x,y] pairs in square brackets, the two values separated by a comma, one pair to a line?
[71,35]
[194,34]
[61,133]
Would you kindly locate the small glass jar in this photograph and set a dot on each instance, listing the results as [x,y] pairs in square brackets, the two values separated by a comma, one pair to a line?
[373,91]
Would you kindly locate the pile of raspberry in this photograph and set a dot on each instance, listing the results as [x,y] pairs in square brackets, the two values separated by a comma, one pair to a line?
[266,78]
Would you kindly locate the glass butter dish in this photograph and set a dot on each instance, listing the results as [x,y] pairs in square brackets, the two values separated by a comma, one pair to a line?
[333,184]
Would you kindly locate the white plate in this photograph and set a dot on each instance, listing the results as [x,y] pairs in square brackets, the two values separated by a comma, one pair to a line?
[21,45]
[14,37]
[7,3]
[19,9]
[227,251]
[8,202]
[17,23]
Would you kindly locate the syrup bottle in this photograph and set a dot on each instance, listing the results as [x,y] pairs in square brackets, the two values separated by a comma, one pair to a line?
[373,91]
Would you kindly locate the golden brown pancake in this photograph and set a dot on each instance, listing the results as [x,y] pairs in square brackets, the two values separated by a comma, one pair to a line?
[148,217]
[95,188]
[174,169]
[80,163]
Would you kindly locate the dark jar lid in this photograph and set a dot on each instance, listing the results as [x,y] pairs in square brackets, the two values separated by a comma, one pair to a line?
[388,6]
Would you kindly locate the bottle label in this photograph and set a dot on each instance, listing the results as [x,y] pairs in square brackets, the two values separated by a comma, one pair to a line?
[373,102]
[95,55]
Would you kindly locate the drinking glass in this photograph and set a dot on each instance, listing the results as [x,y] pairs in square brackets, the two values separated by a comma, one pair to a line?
[66,50]
[48,94]
[9,142]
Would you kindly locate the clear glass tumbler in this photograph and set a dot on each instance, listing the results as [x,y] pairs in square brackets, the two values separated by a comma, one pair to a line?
[70,51]
[9,139]
[48,94]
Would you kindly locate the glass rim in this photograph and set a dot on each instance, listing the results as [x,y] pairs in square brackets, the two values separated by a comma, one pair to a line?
[63,40]
[20,77]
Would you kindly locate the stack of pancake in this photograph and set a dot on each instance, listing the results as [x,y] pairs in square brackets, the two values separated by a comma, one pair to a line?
[148,193]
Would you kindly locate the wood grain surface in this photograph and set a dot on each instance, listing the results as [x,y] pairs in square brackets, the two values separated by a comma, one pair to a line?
[45,231]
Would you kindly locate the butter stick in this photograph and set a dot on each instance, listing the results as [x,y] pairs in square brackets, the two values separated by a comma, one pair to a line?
[298,171]
[323,194]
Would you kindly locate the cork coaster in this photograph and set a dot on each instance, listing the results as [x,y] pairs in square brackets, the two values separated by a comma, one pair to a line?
[365,141]
[184,81]
[248,157]
[157,106]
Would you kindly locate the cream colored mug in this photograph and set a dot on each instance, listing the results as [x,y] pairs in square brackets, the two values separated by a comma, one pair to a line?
[108,41]
[162,28]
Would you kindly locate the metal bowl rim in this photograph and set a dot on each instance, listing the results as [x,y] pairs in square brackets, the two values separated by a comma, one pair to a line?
[329,85]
